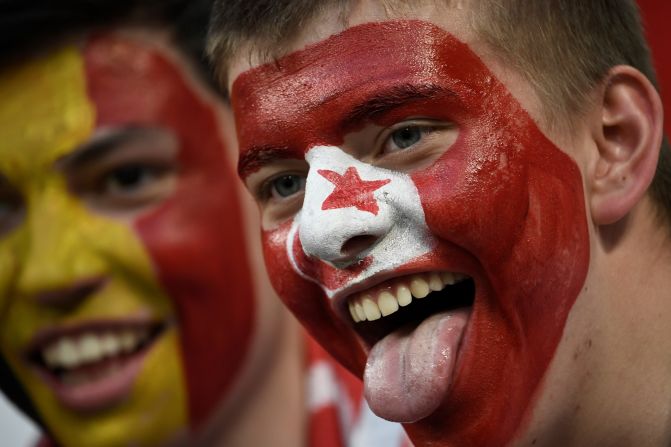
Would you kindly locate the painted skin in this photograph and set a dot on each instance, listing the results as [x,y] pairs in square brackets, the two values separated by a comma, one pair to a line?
[502,203]
[108,156]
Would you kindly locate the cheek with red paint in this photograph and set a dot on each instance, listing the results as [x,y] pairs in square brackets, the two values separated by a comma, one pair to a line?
[195,237]
[502,204]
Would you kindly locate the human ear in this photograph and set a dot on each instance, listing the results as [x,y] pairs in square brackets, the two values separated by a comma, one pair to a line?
[628,138]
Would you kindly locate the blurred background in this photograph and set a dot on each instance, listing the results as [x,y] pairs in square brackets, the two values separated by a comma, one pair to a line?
[15,430]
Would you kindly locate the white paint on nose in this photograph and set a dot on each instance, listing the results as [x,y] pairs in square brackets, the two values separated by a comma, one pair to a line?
[344,199]
[347,199]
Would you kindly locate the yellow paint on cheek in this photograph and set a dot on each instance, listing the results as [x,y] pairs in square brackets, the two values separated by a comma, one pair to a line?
[45,114]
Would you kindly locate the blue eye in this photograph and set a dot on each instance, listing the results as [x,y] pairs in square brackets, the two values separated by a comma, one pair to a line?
[406,137]
[287,185]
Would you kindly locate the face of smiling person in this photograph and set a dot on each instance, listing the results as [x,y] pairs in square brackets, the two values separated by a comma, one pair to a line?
[112,245]
[417,221]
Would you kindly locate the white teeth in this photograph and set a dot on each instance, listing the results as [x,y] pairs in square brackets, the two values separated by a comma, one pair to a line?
[435,283]
[364,307]
[70,353]
[90,349]
[352,312]
[403,296]
[358,307]
[110,345]
[419,287]
[370,308]
[387,303]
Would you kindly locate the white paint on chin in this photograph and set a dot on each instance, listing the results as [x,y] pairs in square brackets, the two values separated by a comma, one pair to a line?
[399,224]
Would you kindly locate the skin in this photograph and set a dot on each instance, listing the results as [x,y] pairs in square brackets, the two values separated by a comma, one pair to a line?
[557,393]
[70,215]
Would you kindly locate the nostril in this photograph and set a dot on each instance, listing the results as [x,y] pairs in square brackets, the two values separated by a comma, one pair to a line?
[70,295]
[357,244]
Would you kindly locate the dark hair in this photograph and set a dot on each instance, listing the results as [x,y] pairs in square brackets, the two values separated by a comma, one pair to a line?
[564,47]
[28,26]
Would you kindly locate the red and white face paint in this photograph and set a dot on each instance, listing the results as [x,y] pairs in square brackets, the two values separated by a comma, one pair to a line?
[499,203]
[348,199]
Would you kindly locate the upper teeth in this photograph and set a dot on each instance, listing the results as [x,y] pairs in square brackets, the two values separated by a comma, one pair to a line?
[71,352]
[370,307]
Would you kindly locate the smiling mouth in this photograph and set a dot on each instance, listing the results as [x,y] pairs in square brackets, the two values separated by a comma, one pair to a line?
[406,301]
[413,327]
[92,367]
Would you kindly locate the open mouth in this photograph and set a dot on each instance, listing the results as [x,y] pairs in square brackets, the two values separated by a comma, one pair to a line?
[413,326]
[408,301]
[94,365]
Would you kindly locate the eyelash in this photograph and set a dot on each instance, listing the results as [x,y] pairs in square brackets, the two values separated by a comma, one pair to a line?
[425,129]
[264,191]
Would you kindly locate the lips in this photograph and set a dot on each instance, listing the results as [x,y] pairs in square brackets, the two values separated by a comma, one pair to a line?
[93,366]
[414,326]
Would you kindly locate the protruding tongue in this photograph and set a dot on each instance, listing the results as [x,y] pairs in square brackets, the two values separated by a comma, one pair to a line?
[409,371]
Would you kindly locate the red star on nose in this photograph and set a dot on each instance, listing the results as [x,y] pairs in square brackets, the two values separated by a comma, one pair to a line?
[350,191]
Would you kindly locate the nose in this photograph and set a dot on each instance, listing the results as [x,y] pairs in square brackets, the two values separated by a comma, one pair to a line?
[339,242]
[357,244]
[339,236]
[57,266]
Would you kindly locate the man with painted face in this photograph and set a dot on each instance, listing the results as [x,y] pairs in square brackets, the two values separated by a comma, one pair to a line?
[464,201]
[133,307]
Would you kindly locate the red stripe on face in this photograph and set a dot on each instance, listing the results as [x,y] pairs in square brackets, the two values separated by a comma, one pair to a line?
[196,238]
[505,204]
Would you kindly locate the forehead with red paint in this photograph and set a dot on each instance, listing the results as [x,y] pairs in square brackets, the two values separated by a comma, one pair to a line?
[195,237]
[318,95]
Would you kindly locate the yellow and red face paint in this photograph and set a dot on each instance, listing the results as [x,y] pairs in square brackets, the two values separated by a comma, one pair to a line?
[195,238]
[185,259]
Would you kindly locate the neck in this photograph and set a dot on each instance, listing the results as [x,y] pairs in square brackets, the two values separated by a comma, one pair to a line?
[619,339]
[271,408]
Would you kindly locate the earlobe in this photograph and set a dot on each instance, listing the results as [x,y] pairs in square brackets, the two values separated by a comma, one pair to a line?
[628,139]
